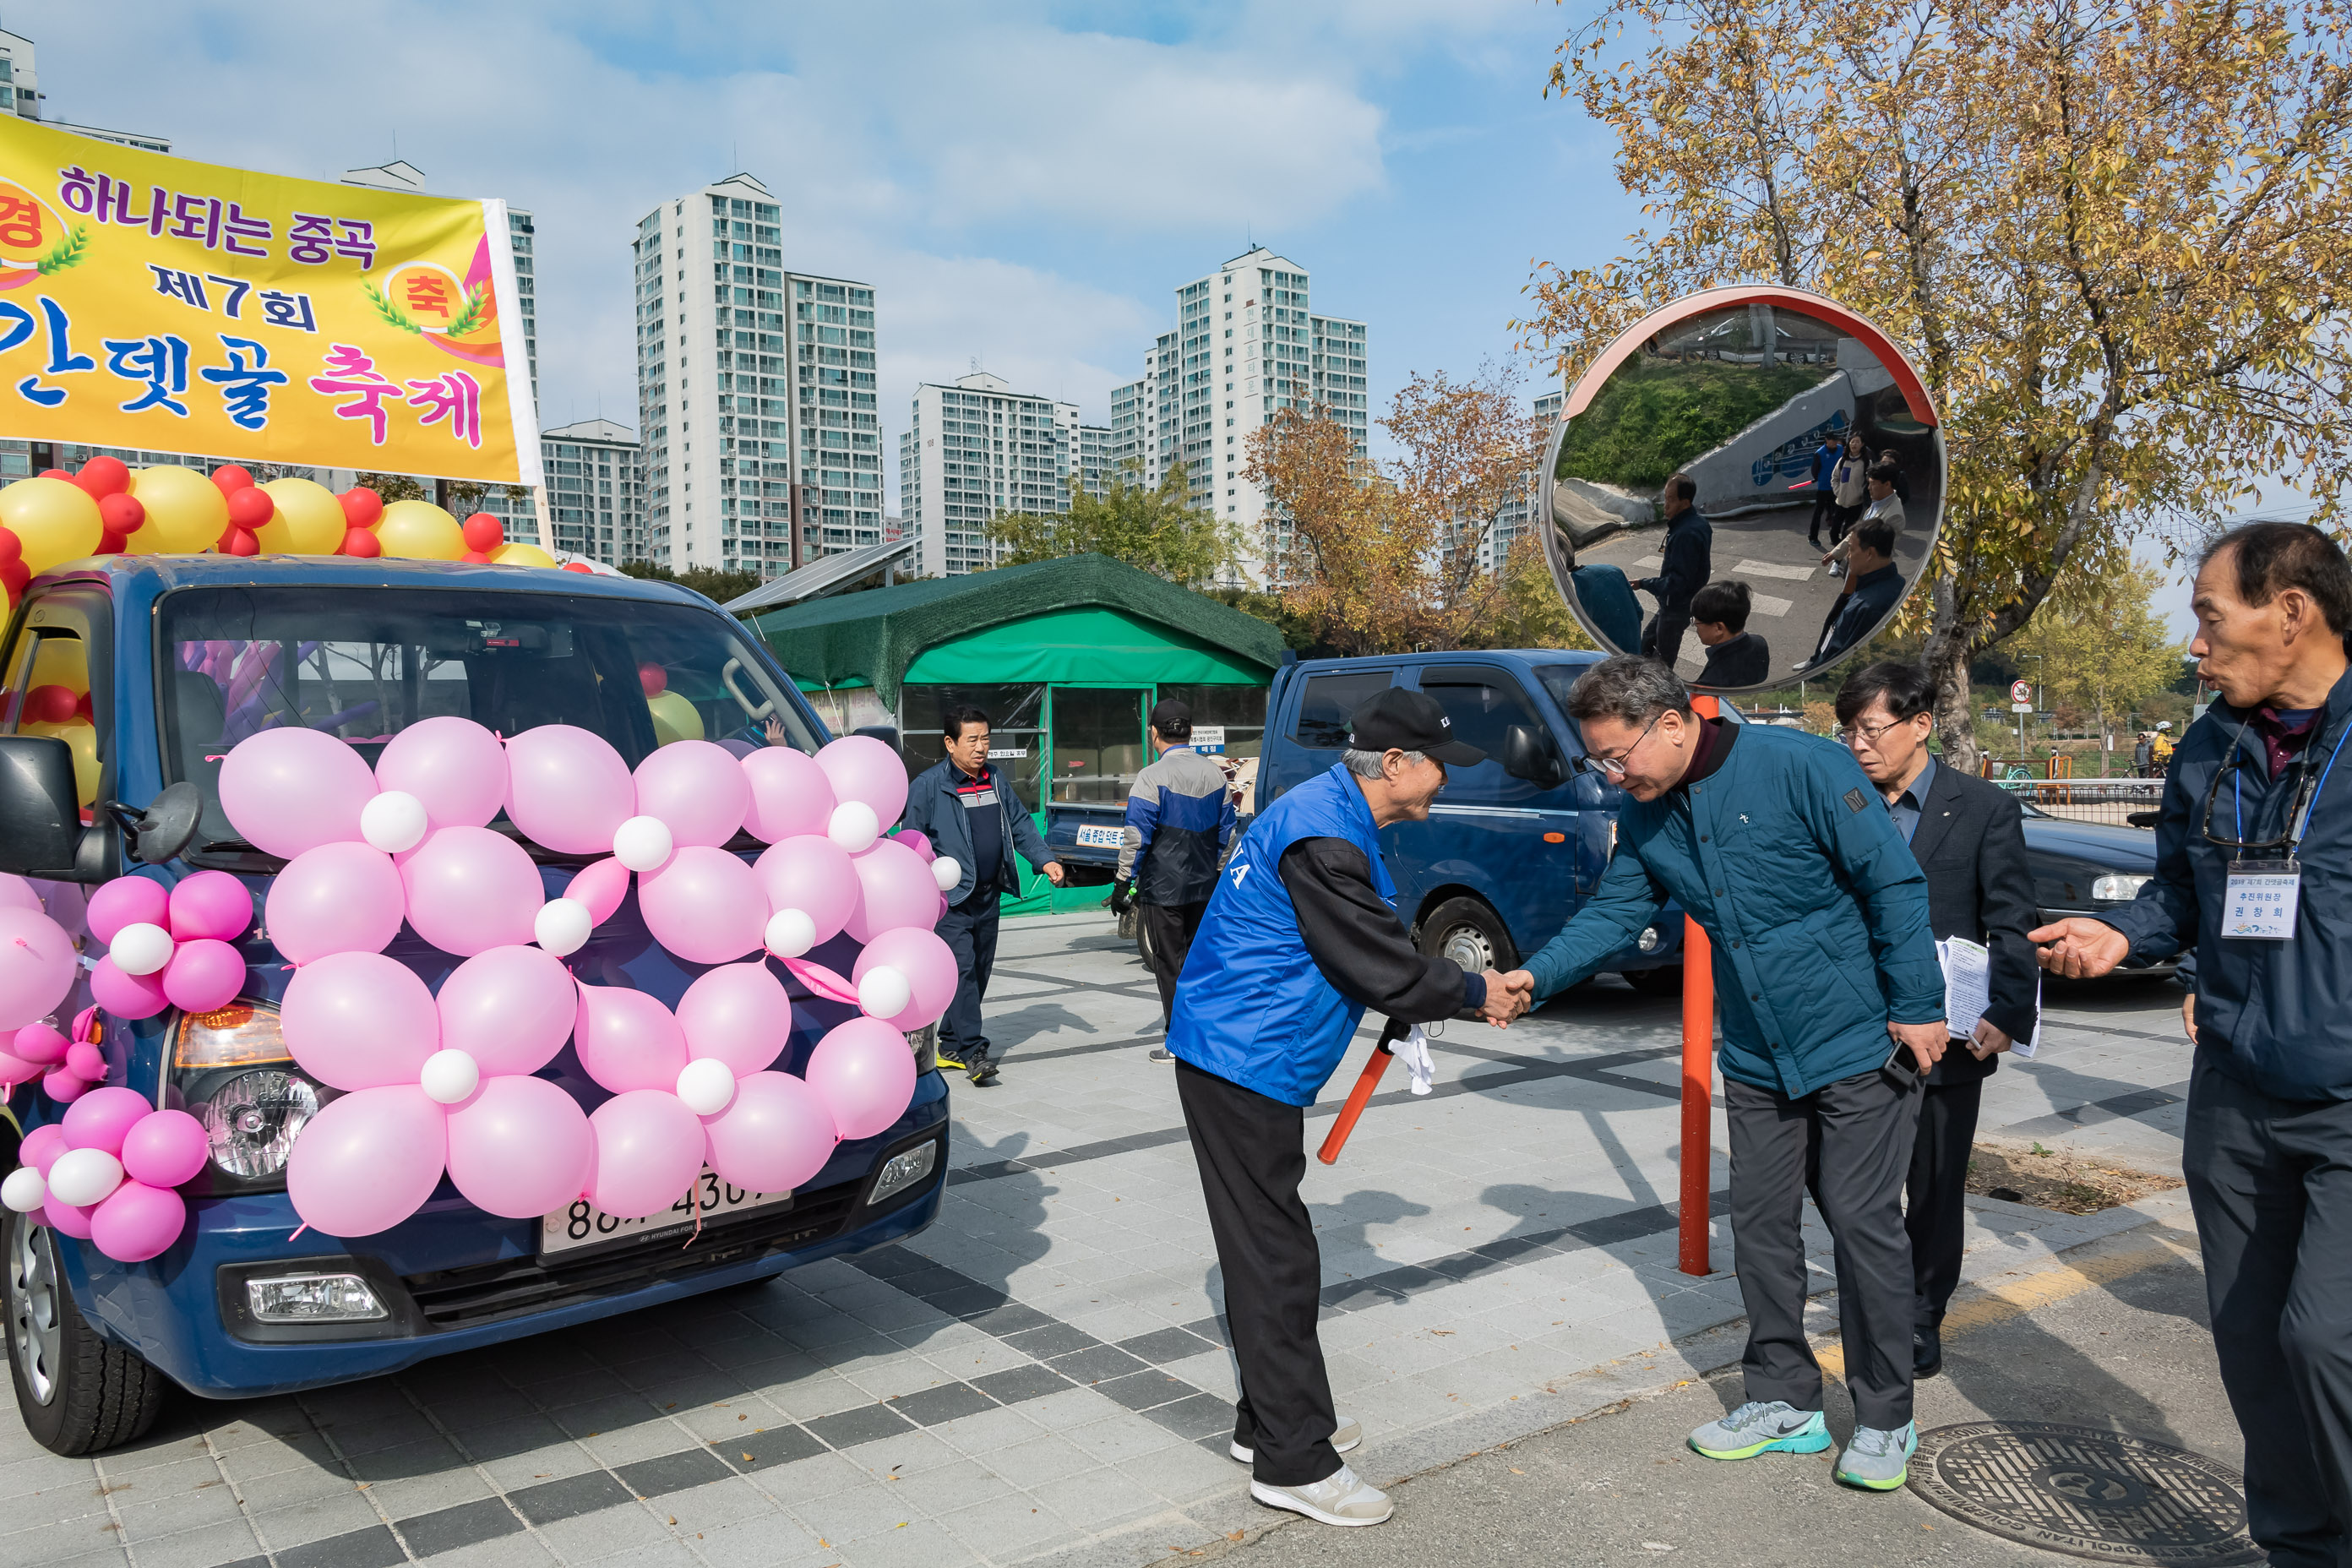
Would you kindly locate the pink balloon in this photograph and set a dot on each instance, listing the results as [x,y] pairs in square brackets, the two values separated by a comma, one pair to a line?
[519,1147]
[67,1220]
[86,1061]
[627,1039]
[203,974]
[741,1014]
[126,901]
[928,965]
[775,1134]
[862,768]
[288,790]
[811,873]
[359,1020]
[41,1148]
[338,897]
[705,906]
[126,996]
[790,794]
[368,1160]
[470,889]
[14,1070]
[509,1008]
[16,893]
[913,838]
[137,1222]
[164,1148]
[894,889]
[696,789]
[37,965]
[648,1151]
[210,904]
[567,789]
[64,1085]
[865,1073]
[453,766]
[40,1043]
[601,885]
[101,1119]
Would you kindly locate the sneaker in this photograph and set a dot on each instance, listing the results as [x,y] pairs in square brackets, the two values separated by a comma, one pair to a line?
[1161,1054]
[1341,1497]
[982,1070]
[1878,1460]
[1758,1428]
[1350,1433]
[951,1056]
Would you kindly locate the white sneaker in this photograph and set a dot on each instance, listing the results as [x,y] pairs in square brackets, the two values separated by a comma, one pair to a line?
[1348,1435]
[1341,1497]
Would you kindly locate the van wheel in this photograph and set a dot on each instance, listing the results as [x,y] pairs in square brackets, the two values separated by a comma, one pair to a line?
[1143,941]
[1663,982]
[76,1393]
[1471,934]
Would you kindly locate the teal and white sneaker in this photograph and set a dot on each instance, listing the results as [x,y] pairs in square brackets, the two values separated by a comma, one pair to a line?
[1758,1428]
[1877,1460]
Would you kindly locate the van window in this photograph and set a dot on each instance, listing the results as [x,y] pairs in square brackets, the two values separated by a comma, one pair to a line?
[1329,702]
[1483,702]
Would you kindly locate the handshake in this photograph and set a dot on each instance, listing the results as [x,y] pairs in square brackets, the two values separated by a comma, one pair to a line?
[1507,996]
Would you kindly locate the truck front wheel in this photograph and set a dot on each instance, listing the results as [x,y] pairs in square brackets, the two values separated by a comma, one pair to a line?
[76,1393]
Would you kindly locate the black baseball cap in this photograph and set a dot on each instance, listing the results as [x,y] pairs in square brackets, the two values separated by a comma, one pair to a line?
[1409,721]
[1169,716]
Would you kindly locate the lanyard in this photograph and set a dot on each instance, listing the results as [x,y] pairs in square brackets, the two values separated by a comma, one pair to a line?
[2303,818]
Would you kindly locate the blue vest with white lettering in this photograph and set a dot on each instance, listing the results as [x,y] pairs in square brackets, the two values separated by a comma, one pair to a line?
[1251,1006]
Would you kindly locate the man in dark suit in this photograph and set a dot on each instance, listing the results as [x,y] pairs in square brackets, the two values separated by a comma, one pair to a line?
[1685,562]
[1969,837]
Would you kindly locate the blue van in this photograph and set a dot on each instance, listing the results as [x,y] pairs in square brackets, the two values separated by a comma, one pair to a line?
[1514,845]
[244,1302]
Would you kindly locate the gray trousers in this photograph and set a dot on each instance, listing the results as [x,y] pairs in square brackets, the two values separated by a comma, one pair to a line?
[2271,1183]
[1849,1144]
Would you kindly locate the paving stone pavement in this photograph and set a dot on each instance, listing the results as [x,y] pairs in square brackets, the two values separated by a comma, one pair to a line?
[1042,1375]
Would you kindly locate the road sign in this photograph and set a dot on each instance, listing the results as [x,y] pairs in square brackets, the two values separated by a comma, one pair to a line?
[2021,707]
[2020,691]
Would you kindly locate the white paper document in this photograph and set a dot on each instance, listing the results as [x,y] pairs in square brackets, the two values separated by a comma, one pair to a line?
[1967,991]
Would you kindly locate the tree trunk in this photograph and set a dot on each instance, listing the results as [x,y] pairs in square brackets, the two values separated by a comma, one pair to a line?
[1947,660]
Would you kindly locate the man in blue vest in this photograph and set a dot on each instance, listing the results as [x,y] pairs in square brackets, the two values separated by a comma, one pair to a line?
[1301,936]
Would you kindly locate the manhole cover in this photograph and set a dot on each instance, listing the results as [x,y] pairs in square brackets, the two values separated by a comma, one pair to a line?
[2087,1492]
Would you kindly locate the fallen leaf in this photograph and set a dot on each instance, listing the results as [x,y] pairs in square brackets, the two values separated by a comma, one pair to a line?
[747,1459]
[1230,1535]
[1516,1471]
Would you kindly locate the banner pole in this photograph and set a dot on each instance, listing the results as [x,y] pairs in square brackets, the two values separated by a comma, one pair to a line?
[1699,1075]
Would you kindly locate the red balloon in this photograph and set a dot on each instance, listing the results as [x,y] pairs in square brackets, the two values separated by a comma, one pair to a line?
[109,544]
[54,474]
[84,710]
[484,532]
[577,567]
[361,508]
[103,476]
[361,543]
[250,507]
[654,678]
[121,514]
[10,548]
[242,542]
[51,704]
[232,478]
[14,576]
[228,537]
[475,558]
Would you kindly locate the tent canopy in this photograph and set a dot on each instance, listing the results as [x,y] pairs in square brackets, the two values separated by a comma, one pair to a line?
[1080,618]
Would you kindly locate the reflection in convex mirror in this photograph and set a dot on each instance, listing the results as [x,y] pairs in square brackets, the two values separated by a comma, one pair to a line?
[1746,484]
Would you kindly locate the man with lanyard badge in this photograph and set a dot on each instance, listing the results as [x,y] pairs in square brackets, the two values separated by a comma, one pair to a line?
[2253,868]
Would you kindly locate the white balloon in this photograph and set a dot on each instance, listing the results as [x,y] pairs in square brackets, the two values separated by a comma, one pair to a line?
[791,932]
[854,825]
[394,821]
[706,1085]
[884,993]
[643,842]
[24,1191]
[947,873]
[562,926]
[449,1077]
[140,948]
[84,1176]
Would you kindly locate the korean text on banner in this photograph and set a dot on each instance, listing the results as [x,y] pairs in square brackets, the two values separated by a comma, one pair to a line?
[153,303]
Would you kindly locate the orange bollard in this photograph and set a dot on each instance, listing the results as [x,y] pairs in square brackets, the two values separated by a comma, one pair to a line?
[1698,1077]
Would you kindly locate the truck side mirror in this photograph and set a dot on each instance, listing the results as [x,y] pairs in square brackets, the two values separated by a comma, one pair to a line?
[1528,754]
[41,807]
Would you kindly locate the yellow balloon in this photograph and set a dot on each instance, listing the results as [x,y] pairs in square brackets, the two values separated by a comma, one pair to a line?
[421,531]
[310,520]
[54,521]
[61,661]
[674,719]
[520,555]
[82,741]
[186,514]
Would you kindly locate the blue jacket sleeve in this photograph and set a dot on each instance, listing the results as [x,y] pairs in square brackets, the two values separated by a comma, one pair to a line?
[2162,919]
[1870,856]
[1026,836]
[1626,899]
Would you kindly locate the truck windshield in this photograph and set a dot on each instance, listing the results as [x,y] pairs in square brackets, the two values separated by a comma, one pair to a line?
[363,664]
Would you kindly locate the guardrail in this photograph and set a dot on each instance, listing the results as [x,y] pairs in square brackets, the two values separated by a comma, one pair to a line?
[2111,800]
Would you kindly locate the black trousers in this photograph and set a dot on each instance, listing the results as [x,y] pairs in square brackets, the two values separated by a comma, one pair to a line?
[969,931]
[1850,1142]
[1251,1151]
[1169,929]
[1825,506]
[1938,1194]
[1662,639]
[2271,1183]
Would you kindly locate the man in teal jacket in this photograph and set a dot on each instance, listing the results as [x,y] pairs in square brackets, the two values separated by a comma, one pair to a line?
[1832,1005]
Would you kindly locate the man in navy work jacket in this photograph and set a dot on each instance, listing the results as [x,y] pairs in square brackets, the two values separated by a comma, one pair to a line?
[1775,843]
[1300,937]
[2252,800]
[1685,562]
[1180,813]
[967,810]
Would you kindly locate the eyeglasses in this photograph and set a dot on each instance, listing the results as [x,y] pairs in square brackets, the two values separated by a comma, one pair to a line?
[1615,766]
[1870,733]
[2298,816]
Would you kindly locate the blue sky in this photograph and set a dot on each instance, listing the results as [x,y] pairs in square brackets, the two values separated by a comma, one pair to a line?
[1026,183]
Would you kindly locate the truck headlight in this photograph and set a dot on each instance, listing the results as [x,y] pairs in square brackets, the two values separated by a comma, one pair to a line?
[904,1169]
[2118,886]
[253,1120]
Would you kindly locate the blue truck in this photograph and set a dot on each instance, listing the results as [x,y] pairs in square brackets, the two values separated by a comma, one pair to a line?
[360,649]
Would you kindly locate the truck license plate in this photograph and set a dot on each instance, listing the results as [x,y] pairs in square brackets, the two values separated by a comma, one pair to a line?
[583,1226]
[1092,837]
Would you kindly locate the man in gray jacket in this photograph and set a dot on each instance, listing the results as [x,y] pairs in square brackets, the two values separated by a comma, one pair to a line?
[965,808]
[1180,816]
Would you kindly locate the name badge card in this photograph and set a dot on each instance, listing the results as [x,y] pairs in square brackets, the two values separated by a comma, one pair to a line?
[2258,901]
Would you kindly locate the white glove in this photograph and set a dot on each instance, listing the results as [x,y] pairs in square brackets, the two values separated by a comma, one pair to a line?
[1414,1052]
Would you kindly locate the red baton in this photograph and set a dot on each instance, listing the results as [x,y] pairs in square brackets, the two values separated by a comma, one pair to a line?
[1361,1095]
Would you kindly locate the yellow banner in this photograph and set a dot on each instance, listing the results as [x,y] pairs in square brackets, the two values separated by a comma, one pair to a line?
[154,302]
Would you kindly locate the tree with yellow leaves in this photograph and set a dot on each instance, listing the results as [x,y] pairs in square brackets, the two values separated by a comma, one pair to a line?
[2102,646]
